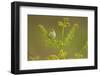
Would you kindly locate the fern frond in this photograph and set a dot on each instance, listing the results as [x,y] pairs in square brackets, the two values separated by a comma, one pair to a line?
[43,29]
[62,54]
[71,34]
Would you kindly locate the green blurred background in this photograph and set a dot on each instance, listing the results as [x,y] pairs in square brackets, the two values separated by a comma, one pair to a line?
[36,45]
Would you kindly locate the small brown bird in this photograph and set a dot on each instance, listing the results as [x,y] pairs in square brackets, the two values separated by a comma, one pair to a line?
[52,34]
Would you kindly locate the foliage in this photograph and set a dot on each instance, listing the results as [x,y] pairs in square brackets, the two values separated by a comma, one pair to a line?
[50,38]
[83,49]
[71,34]
[64,40]
[43,30]
[61,55]
[52,41]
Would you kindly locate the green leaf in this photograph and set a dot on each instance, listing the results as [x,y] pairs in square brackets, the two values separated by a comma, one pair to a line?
[62,54]
[43,29]
[71,34]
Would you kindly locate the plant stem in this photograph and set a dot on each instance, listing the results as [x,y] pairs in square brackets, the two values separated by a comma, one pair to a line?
[62,37]
[62,33]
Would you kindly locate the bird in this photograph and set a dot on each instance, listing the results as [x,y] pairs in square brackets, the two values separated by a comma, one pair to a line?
[52,34]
